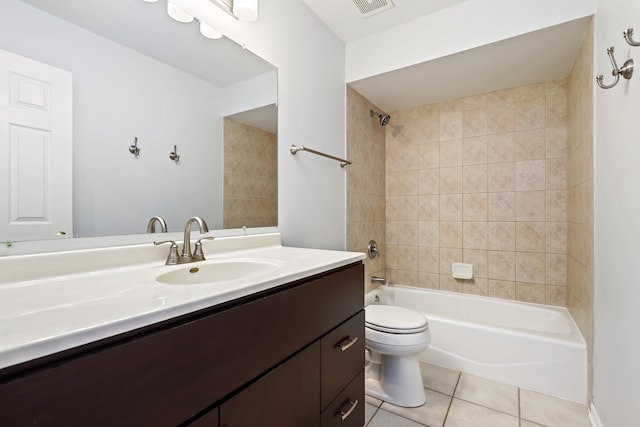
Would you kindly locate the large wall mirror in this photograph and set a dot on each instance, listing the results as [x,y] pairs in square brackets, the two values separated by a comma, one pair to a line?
[140,76]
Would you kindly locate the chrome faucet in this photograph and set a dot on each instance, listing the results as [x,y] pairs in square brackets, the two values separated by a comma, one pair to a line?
[377,280]
[151,226]
[186,256]
[186,242]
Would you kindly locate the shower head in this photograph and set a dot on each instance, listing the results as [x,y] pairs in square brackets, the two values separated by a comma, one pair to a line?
[384,118]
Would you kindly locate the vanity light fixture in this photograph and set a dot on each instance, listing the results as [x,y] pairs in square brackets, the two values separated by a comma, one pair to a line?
[210,32]
[177,13]
[245,10]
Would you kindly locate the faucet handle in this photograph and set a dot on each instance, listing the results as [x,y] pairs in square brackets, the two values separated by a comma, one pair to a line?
[173,257]
[198,249]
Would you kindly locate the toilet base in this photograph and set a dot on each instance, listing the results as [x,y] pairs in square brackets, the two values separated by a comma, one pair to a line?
[400,382]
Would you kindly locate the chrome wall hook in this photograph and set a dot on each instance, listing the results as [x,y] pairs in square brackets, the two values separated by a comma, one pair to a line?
[626,71]
[174,154]
[628,36]
[133,149]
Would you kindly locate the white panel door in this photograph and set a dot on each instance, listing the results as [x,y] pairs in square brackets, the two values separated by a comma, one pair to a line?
[35,150]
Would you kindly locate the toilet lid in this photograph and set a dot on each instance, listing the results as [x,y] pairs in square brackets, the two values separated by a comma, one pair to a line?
[398,320]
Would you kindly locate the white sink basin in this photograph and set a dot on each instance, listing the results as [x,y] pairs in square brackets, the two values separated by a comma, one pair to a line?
[216,271]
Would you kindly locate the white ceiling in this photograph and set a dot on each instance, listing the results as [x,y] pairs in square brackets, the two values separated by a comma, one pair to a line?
[530,58]
[345,20]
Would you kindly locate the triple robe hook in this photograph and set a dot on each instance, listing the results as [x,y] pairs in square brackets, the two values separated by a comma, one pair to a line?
[626,71]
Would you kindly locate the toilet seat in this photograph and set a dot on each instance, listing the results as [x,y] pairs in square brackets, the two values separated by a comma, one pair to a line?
[394,320]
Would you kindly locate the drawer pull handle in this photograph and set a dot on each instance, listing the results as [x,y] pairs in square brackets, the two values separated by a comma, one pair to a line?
[346,343]
[352,405]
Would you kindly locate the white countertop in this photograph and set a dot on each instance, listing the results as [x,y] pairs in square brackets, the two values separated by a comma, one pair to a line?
[43,314]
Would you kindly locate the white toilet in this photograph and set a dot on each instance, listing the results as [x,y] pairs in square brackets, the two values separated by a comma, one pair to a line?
[394,337]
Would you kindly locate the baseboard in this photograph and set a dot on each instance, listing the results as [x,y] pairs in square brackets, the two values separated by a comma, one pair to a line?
[593,417]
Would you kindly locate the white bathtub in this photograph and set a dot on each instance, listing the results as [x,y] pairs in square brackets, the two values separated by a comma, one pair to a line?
[536,347]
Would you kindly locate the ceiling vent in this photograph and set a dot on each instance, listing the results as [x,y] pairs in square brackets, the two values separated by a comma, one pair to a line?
[371,7]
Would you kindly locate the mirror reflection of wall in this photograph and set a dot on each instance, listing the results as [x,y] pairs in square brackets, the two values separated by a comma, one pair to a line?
[250,172]
[121,92]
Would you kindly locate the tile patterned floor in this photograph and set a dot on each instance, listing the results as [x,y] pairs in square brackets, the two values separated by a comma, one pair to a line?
[456,399]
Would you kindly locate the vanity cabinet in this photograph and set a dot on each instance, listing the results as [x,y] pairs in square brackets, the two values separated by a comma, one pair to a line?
[290,356]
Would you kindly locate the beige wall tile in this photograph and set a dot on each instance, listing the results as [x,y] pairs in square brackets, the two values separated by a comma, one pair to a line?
[501,236]
[530,292]
[502,265]
[530,175]
[501,147]
[474,150]
[429,233]
[530,206]
[556,270]
[502,177]
[501,118]
[531,237]
[557,201]
[479,258]
[476,286]
[474,122]
[429,181]
[448,283]
[429,155]
[451,180]
[429,259]
[531,144]
[429,208]
[556,142]
[530,267]
[474,235]
[475,207]
[450,234]
[502,206]
[428,280]
[502,289]
[556,172]
[530,114]
[451,207]
[474,179]
[451,153]
[450,125]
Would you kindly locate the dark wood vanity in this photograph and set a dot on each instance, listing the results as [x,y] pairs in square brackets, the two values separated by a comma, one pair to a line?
[291,356]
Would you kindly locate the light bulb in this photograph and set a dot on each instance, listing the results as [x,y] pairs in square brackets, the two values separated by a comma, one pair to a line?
[245,10]
[151,1]
[177,13]
[209,32]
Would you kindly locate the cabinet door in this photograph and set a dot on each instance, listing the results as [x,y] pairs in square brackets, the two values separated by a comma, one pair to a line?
[288,396]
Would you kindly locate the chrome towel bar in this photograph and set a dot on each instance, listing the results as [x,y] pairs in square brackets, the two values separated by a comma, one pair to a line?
[295,148]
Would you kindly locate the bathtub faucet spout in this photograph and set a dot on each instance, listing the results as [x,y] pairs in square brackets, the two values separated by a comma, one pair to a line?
[377,280]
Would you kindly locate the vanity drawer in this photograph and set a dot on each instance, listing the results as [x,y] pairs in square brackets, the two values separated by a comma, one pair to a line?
[347,410]
[342,357]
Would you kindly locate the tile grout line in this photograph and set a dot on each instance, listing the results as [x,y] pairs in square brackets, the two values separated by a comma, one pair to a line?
[453,393]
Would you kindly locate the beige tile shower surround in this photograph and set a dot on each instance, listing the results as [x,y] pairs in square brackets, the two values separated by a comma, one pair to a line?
[481,180]
[365,183]
[250,176]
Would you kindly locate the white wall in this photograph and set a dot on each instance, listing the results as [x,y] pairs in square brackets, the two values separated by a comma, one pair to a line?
[311,111]
[617,223]
[461,27]
[120,94]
